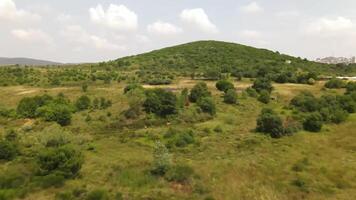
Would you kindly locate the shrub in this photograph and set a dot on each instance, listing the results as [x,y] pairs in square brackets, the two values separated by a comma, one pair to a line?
[181,139]
[59,113]
[63,160]
[160,102]
[313,122]
[335,83]
[262,84]
[84,87]
[305,102]
[98,195]
[230,96]
[161,159]
[264,97]
[224,85]
[350,87]
[179,173]
[269,122]
[199,91]
[52,180]
[207,105]
[29,105]
[132,87]
[136,99]
[251,92]
[82,103]
[8,150]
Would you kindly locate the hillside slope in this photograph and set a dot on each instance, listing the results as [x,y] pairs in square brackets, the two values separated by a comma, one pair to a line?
[25,61]
[215,54]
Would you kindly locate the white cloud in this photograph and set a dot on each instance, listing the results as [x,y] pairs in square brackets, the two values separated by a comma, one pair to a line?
[63,18]
[77,34]
[33,36]
[9,11]
[252,7]
[197,17]
[290,13]
[250,34]
[163,28]
[329,26]
[117,17]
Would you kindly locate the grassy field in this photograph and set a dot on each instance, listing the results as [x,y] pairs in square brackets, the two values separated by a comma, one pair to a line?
[232,163]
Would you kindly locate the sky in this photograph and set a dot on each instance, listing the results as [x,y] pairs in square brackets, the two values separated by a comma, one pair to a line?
[99,30]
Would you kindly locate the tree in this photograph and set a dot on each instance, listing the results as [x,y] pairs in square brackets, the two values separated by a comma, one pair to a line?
[224,85]
[262,84]
[269,122]
[207,105]
[212,74]
[63,160]
[184,98]
[8,150]
[264,97]
[313,122]
[136,99]
[85,87]
[350,87]
[230,97]
[160,102]
[132,87]
[200,90]
[83,103]
[162,159]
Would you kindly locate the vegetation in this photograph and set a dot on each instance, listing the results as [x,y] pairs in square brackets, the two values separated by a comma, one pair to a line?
[185,122]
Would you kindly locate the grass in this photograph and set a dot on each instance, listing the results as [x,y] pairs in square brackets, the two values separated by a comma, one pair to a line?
[236,163]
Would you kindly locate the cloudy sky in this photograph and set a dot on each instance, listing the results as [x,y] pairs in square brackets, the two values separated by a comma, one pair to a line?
[97,30]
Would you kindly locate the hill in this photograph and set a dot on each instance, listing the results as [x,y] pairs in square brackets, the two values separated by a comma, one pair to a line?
[26,61]
[202,55]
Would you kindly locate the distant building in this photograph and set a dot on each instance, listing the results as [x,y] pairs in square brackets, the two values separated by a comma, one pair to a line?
[337,60]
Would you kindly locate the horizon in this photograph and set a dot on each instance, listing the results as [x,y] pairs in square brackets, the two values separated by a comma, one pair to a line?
[94,31]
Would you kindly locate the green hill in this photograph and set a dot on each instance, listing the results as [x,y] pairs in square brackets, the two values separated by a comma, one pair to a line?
[229,57]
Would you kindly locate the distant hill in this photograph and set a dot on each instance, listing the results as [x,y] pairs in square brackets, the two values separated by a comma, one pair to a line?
[26,61]
[202,55]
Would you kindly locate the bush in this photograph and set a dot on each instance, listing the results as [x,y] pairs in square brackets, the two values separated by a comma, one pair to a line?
[179,173]
[82,103]
[200,90]
[264,97]
[224,85]
[230,96]
[305,102]
[52,180]
[313,122]
[181,139]
[350,87]
[29,105]
[262,84]
[251,92]
[132,87]
[160,102]
[8,150]
[207,105]
[269,122]
[63,160]
[98,195]
[161,159]
[335,83]
[59,113]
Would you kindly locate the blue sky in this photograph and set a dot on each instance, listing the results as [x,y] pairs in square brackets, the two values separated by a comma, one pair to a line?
[93,30]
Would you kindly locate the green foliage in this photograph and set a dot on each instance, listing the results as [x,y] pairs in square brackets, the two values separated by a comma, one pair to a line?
[8,150]
[64,160]
[52,180]
[98,195]
[179,173]
[350,87]
[305,102]
[132,87]
[251,92]
[230,97]
[269,122]
[313,122]
[335,83]
[207,105]
[200,90]
[261,84]
[83,103]
[224,85]
[85,87]
[29,105]
[60,113]
[179,138]
[136,99]
[160,102]
[162,160]
[264,97]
